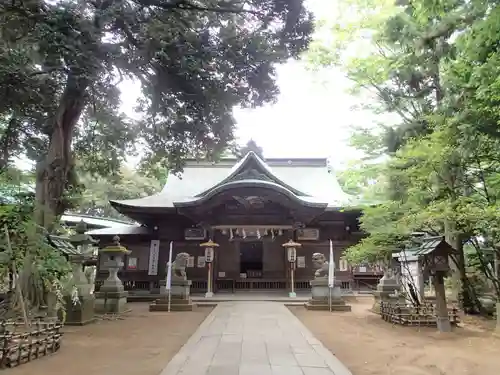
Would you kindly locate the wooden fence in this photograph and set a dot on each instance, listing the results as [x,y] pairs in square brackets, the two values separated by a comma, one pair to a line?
[425,315]
[20,344]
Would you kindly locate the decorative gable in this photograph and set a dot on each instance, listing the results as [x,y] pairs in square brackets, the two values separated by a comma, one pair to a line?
[251,167]
[252,174]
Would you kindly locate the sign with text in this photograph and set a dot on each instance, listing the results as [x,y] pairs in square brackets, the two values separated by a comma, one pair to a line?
[209,254]
[343,265]
[308,234]
[132,263]
[195,234]
[154,255]
[201,262]
[301,262]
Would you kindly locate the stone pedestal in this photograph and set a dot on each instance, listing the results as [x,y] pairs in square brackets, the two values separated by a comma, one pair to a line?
[321,296]
[386,288]
[112,298]
[497,329]
[179,299]
[52,312]
[81,312]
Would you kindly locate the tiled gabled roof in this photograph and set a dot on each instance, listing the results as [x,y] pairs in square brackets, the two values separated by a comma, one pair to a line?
[310,180]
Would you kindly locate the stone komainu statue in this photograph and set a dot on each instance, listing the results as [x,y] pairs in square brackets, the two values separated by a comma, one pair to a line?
[179,266]
[321,264]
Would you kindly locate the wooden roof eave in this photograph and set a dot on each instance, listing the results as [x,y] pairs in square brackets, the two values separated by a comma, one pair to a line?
[120,206]
[250,183]
[141,213]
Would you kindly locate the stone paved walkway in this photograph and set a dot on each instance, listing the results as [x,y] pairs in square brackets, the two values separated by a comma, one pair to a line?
[253,338]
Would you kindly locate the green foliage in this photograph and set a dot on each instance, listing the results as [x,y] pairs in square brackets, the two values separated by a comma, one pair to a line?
[14,183]
[387,234]
[194,61]
[61,64]
[41,269]
[365,180]
[435,65]
[128,184]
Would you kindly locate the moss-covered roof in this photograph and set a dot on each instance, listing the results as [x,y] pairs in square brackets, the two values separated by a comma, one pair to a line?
[428,245]
[63,244]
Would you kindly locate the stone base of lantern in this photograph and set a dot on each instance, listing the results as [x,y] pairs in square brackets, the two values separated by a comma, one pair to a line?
[176,304]
[496,332]
[111,302]
[385,292]
[179,300]
[321,296]
[81,312]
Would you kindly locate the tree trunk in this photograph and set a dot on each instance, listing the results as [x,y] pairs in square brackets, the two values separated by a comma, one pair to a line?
[466,295]
[54,173]
[496,272]
[8,142]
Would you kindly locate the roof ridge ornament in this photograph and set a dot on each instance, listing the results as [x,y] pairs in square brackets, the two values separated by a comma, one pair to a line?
[251,147]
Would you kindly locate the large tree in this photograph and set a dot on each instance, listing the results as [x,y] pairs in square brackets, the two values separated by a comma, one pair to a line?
[61,63]
[430,63]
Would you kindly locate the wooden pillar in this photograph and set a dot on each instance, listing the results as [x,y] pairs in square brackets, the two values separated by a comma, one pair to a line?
[442,319]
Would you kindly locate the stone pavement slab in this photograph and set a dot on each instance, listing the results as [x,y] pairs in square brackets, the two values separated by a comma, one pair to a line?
[253,338]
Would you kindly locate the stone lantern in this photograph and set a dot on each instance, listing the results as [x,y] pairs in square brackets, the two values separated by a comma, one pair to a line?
[388,286]
[82,312]
[291,249]
[209,258]
[435,252]
[436,261]
[112,298]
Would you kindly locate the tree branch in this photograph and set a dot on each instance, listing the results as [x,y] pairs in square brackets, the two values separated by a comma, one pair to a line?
[188,5]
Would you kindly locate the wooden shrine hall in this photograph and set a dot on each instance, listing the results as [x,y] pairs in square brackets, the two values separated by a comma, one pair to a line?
[250,208]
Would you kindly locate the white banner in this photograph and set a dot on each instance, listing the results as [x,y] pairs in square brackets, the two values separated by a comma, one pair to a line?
[331,267]
[169,265]
[154,254]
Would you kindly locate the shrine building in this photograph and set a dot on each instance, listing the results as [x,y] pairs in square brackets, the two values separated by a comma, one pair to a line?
[250,208]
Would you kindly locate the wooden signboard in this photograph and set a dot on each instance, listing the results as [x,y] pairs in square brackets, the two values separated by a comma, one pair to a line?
[132,263]
[154,254]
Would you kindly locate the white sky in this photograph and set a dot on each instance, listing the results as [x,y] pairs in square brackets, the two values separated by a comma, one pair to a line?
[310,119]
[313,116]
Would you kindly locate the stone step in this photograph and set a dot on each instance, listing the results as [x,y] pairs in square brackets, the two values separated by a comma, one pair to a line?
[326,307]
[155,307]
[173,301]
[338,302]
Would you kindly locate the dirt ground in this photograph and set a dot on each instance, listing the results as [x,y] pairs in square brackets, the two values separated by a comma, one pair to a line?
[367,345]
[140,343]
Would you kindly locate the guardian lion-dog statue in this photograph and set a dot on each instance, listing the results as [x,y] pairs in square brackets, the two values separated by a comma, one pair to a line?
[179,266]
[321,264]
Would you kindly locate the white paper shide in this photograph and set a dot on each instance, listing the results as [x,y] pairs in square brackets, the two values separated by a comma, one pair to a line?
[331,267]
